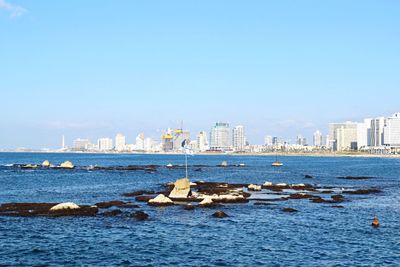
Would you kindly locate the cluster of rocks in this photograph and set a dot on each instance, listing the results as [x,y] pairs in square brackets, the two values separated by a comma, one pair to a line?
[46,164]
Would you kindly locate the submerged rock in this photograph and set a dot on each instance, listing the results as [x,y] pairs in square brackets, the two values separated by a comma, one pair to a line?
[356,177]
[189,207]
[308,176]
[140,216]
[144,198]
[109,204]
[289,210]
[112,213]
[160,201]
[362,191]
[220,215]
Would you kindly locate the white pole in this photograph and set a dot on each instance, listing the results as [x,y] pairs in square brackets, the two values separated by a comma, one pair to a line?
[186,164]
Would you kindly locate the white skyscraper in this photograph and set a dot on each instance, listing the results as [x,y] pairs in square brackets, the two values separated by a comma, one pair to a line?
[364,134]
[220,137]
[120,142]
[81,144]
[317,139]
[344,135]
[140,142]
[202,142]
[268,140]
[392,131]
[377,132]
[239,138]
[105,144]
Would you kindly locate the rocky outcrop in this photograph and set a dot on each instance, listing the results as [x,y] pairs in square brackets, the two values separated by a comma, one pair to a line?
[254,187]
[109,204]
[207,202]
[181,189]
[140,216]
[289,210]
[67,165]
[362,191]
[112,213]
[220,215]
[160,201]
[356,177]
[46,164]
[64,206]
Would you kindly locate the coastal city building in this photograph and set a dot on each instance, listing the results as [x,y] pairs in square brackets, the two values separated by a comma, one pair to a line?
[344,135]
[377,125]
[317,139]
[140,142]
[238,138]
[120,142]
[392,132]
[81,144]
[202,142]
[105,144]
[364,134]
[220,137]
[179,136]
[268,141]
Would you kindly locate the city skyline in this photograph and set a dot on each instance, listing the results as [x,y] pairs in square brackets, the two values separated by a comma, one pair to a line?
[283,68]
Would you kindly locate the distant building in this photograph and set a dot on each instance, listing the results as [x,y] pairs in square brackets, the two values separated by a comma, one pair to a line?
[239,138]
[301,141]
[268,140]
[139,142]
[364,134]
[167,141]
[377,126]
[202,142]
[179,135]
[105,144]
[220,138]
[81,144]
[344,136]
[392,131]
[120,142]
[317,139]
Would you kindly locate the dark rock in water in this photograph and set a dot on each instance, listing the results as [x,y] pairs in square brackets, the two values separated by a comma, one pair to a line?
[43,209]
[289,210]
[112,213]
[109,204]
[138,193]
[264,204]
[130,206]
[356,177]
[300,196]
[327,192]
[317,199]
[140,216]
[362,191]
[189,207]
[220,215]
[337,198]
[308,176]
[198,170]
[337,207]
[144,198]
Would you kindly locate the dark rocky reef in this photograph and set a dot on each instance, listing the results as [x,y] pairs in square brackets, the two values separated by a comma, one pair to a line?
[43,209]
[289,210]
[140,216]
[356,177]
[220,215]
[362,191]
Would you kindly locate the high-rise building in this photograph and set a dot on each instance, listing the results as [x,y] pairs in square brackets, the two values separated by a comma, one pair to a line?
[239,138]
[344,135]
[300,140]
[392,131]
[317,139]
[377,132]
[105,144]
[220,137]
[364,134]
[81,144]
[120,143]
[139,142]
[202,142]
[179,135]
[167,141]
[268,140]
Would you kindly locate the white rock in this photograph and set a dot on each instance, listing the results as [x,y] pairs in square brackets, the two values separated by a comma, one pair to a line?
[161,199]
[299,185]
[281,184]
[46,164]
[181,189]
[254,187]
[67,165]
[207,201]
[268,184]
[65,206]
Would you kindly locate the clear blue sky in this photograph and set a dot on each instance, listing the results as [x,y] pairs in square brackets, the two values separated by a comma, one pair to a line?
[95,68]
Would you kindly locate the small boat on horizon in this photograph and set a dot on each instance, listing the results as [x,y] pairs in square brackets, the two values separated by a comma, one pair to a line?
[277,163]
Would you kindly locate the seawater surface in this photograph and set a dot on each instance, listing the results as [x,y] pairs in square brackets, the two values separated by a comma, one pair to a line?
[317,235]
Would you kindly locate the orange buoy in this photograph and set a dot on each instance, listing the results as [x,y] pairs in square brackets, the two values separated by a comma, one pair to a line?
[375,222]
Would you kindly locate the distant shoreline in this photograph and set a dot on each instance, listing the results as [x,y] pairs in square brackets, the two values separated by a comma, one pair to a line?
[288,154]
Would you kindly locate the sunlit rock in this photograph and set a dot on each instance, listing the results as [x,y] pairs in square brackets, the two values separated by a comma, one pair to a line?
[181,189]
[254,187]
[46,164]
[65,206]
[67,165]
[160,200]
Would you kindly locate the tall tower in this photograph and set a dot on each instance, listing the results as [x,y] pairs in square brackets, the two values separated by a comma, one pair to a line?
[63,142]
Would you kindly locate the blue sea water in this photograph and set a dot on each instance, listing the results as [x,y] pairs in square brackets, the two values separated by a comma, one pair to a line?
[317,235]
